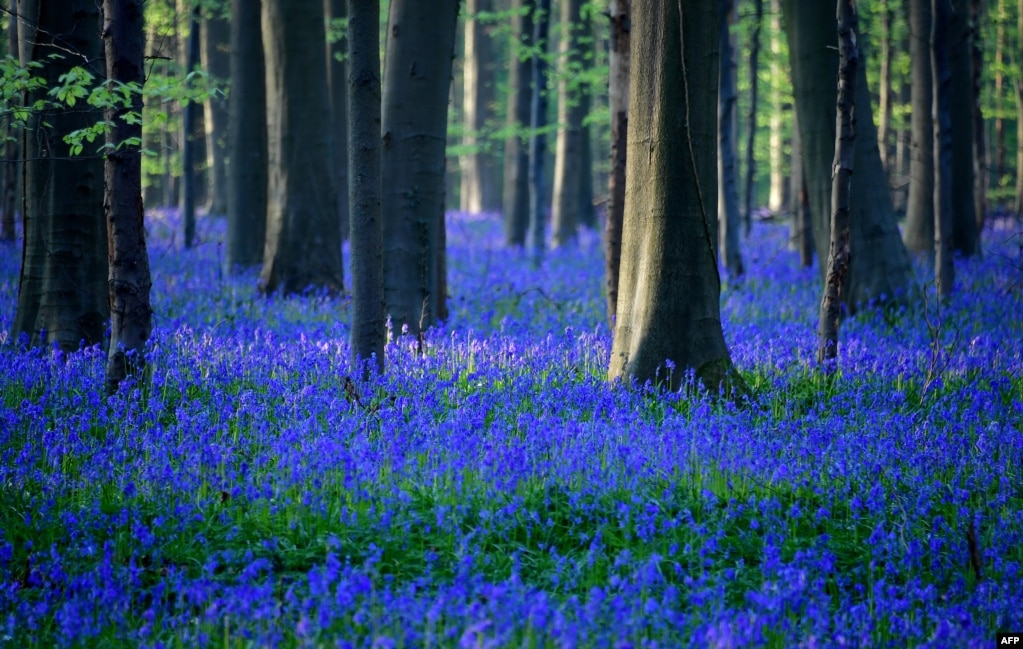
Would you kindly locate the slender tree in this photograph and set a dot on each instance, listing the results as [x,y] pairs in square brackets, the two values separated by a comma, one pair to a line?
[668,318]
[1019,112]
[368,305]
[62,289]
[130,281]
[884,107]
[12,152]
[246,138]
[538,140]
[417,77]
[568,168]
[336,12]
[618,103]
[965,237]
[190,115]
[998,93]
[303,238]
[980,175]
[751,123]
[729,218]
[802,224]
[918,232]
[480,191]
[776,138]
[839,254]
[215,34]
[516,147]
[941,114]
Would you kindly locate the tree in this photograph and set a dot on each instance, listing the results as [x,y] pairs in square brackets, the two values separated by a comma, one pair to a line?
[480,190]
[303,238]
[190,115]
[516,149]
[129,278]
[980,175]
[728,172]
[568,168]
[845,138]
[618,104]
[965,236]
[538,140]
[919,230]
[668,318]
[336,12]
[215,34]
[880,268]
[246,139]
[751,124]
[884,104]
[10,169]
[62,290]
[367,238]
[941,115]
[776,195]
[417,77]
[1019,112]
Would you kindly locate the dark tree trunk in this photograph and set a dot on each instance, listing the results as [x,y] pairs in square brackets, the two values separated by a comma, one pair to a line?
[516,148]
[246,137]
[62,290]
[417,78]
[538,140]
[618,103]
[12,152]
[839,254]
[729,218]
[337,11]
[131,316]
[751,123]
[668,319]
[190,124]
[802,224]
[369,311]
[568,168]
[303,238]
[980,175]
[918,232]
[216,43]
[964,215]
[941,114]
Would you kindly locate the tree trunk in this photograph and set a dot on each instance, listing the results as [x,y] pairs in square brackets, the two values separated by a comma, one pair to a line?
[62,290]
[880,268]
[668,319]
[998,94]
[189,121]
[12,167]
[303,239]
[839,253]
[618,104]
[480,189]
[369,312]
[568,167]
[980,175]
[538,140]
[802,224]
[941,115]
[964,214]
[776,201]
[884,110]
[516,149]
[336,12]
[246,137]
[131,316]
[919,228]
[417,77]
[216,59]
[1019,113]
[751,124]
[729,218]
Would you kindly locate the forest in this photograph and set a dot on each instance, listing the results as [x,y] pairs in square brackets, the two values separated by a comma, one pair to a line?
[511,323]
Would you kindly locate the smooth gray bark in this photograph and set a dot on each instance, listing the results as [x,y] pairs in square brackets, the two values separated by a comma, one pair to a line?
[480,186]
[941,115]
[516,146]
[918,232]
[337,78]
[618,104]
[246,137]
[216,59]
[538,140]
[729,218]
[303,237]
[568,167]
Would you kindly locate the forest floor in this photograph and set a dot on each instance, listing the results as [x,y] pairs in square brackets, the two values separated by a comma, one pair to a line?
[496,491]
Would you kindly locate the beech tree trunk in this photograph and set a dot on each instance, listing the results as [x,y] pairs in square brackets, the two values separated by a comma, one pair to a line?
[480,190]
[538,140]
[62,289]
[880,268]
[776,201]
[729,218]
[516,145]
[568,168]
[998,94]
[941,114]
[884,110]
[303,238]
[980,175]
[751,123]
[668,318]
[618,104]
[246,137]
[802,224]
[12,167]
[216,59]
[335,11]
[1019,115]
[189,126]
[369,313]
[965,239]
[131,316]
[918,232]
[839,254]
[417,77]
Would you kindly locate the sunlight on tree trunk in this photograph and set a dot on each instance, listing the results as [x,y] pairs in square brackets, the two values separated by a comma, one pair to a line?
[568,169]
[618,103]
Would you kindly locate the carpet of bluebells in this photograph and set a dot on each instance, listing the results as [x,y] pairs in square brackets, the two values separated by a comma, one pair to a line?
[496,491]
